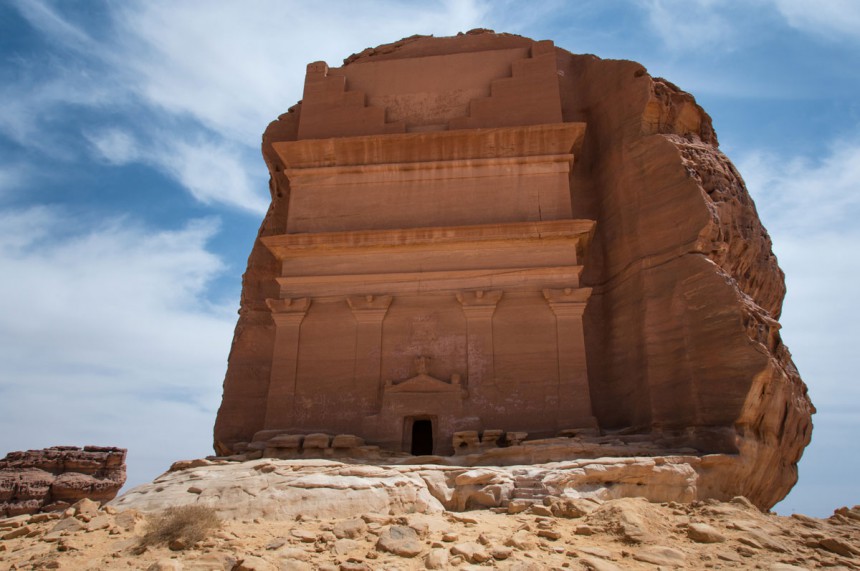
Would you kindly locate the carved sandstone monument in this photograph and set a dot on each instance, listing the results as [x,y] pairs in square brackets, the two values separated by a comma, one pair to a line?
[485,241]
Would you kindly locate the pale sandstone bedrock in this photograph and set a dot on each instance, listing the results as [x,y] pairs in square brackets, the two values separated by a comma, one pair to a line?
[284,489]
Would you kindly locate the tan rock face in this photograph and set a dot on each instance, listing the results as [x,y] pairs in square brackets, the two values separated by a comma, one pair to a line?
[488,235]
[55,478]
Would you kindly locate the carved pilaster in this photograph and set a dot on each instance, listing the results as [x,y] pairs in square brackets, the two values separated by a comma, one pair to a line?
[369,312]
[280,402]
[478,307]
[574,398]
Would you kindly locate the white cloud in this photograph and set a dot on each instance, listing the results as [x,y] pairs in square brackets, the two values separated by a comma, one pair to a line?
[116,146]
[177,57]
[43,17]
[212,172]
[31,106]
[198,82]
[822,17]
[693,24]
[107,336]
[799,195]
[810,208]
[728,25]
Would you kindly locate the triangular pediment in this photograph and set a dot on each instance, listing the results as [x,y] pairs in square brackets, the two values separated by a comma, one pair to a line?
[423,383]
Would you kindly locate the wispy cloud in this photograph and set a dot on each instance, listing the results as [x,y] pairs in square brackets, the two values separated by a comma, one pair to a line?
[108,324]
[116,146]
[42,16]
[802,196]
[42,93]
[212,172]
[823,18]
[693,24]
[726,26]
[236,83]
[190,100]
[810,207]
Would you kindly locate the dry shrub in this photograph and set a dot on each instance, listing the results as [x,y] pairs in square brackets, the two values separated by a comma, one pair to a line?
[180,527]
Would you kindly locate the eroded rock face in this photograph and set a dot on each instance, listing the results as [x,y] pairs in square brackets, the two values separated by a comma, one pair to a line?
[55,478]
[681,339]
[284,489]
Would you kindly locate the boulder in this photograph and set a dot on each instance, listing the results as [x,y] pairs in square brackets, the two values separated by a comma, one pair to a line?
[704,533]
[400,540]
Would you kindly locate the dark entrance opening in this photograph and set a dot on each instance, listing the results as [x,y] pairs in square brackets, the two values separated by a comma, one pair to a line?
[422,437]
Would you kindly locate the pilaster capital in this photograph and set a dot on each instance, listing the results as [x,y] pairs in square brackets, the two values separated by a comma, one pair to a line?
[567,302]
[480,303]
[290,310]
[369,308]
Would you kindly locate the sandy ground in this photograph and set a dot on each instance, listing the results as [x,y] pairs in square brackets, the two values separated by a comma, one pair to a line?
[626,533]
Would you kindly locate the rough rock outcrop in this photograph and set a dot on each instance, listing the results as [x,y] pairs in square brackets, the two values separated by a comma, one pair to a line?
[284,489]
[680,330]
[54,478]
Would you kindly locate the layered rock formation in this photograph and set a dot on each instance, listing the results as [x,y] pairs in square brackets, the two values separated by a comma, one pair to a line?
[281,490]
[681,339]
[55,478]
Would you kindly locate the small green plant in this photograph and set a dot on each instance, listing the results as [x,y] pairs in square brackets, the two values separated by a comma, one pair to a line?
[180,527]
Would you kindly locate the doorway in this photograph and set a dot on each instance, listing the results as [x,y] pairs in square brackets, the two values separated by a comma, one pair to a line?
[422,437]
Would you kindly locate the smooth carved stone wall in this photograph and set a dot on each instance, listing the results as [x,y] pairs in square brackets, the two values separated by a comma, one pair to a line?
[493,233]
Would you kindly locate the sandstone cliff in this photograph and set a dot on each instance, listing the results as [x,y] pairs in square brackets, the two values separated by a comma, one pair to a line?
[681,330]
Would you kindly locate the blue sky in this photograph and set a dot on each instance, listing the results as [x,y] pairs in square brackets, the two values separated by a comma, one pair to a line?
[132,187]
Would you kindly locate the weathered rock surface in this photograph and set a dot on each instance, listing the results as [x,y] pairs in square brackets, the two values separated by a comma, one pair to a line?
[680,331]
[628,533]
[54,478]
[284,489]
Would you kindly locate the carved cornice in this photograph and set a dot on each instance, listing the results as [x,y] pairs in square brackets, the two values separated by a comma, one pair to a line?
[412,283]
[497,142]
[285,246]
